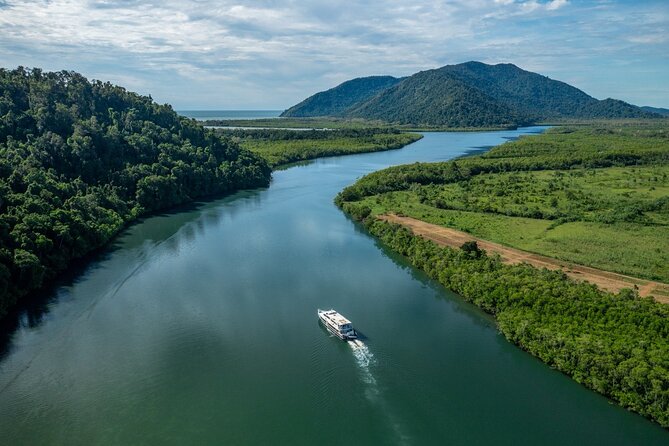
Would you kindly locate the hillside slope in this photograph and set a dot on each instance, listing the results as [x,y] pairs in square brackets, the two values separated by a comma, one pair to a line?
[336,101]
[434,98]
[80,159]
[471,94]
[658,110]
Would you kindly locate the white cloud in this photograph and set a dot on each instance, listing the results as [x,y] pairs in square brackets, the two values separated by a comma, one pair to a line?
[556,4]
[272,53]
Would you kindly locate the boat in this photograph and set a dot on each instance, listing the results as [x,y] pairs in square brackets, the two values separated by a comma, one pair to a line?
[337,324]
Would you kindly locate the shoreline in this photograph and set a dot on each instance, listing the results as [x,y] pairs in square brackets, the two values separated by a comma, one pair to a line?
[605,280]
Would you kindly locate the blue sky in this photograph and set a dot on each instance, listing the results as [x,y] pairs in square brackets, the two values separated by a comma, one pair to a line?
[220,54]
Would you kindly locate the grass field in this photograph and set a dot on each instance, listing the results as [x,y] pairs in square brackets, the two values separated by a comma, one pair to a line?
[612,218]
[280,147]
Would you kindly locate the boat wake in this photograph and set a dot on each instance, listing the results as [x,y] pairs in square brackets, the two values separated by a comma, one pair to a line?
[363,355]
[365,360]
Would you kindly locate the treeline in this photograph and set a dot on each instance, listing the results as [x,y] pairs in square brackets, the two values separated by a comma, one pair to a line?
[80,159]
[280,147]
[269,134]
[563,148]
[617,345]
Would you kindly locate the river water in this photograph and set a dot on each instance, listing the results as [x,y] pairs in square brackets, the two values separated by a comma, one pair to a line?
[199,327]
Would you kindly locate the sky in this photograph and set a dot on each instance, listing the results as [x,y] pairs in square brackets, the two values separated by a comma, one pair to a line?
[271,54]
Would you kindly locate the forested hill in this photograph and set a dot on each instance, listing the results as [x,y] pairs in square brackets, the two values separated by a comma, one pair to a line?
[338,100]
[658,110]
[80,159]
[473,94]
[434,98]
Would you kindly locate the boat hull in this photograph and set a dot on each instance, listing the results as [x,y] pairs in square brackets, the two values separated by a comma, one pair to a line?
[344,337]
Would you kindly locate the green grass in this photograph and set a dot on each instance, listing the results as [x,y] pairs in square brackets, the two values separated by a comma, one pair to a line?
[613,218]
[628,248]
[279,152]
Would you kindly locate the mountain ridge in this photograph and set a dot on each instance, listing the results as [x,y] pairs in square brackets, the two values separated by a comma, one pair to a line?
[658,110]
[340,98]
[470,94]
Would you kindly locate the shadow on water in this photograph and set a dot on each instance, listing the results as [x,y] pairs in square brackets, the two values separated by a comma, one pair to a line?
[459,305]
[287,166]
[474,151]
[33,309]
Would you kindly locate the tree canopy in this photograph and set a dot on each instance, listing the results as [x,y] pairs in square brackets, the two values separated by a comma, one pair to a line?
[79,159]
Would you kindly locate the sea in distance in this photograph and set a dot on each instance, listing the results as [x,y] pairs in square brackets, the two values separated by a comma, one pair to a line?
[223,115]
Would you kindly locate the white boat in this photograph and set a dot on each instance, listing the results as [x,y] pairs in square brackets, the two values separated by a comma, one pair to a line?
[337,324]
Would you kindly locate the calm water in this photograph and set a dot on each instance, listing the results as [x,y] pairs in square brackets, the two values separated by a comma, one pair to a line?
[203,115]
[199,327]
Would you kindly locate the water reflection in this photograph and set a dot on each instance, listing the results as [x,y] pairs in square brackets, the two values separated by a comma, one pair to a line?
[138,242]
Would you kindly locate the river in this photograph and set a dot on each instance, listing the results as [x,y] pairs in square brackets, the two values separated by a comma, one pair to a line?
[199,326]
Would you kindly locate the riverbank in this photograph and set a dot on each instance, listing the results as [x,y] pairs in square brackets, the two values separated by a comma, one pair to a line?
[599,339]
[281,147]
[604,280]
[610,181]
[595,196]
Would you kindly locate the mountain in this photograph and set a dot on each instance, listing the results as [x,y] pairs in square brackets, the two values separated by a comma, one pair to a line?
[433,98]
[337,100]
[658,110]
[471,94]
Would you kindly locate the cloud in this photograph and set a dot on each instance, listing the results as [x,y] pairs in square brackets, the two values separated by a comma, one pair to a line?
[556,4]
[261,53]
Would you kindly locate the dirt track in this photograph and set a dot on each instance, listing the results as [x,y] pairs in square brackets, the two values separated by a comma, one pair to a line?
[603,279]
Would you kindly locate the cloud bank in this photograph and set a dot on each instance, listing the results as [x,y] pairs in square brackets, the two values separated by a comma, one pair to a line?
[273,53]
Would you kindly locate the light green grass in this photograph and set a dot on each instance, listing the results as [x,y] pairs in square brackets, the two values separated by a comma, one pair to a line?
[278,152]
[629,248]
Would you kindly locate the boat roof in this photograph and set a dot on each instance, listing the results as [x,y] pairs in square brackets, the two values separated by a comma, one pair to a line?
[336,317]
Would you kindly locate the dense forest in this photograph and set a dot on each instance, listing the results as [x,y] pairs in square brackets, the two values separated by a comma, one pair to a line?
[617,345]
[281,147]
[611,180]
[80,159]
[339,99]
[434,98]
[471,94]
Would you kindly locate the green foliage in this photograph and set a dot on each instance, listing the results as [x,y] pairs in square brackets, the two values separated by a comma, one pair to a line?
[432,98]
[295,123]
[80,159]
[471,94]
[596,195]
[558,148]
[471,248]
[337,100]
[635,249]
[280,147]
[614,218]
[617,345]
